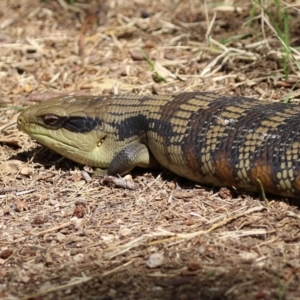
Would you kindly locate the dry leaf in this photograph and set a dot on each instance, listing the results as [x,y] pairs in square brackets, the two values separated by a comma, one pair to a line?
[125,182]
[164,72]
[111,84]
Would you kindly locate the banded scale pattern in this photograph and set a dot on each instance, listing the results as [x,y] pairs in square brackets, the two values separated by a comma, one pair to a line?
[208,138]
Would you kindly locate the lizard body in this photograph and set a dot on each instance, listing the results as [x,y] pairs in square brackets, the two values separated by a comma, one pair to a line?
[208,138]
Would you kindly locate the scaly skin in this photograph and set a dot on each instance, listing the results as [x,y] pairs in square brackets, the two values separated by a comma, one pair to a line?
[208,138]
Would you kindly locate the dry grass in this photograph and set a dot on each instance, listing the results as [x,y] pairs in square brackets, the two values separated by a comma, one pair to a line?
[64,238]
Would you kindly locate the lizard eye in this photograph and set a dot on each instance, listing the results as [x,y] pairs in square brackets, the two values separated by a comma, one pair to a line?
[51,120]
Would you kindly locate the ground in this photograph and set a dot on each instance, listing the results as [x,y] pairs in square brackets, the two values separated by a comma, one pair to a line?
[64,238]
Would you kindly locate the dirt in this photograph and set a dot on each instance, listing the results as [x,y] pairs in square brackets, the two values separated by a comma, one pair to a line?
[62,237]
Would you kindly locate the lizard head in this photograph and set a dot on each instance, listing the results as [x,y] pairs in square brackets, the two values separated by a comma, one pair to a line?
[68,126]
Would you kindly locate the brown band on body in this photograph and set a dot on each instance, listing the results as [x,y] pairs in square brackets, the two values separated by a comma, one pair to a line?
[264,173]
[224,170]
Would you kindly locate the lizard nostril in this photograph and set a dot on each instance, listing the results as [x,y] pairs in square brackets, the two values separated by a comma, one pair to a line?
[20,121]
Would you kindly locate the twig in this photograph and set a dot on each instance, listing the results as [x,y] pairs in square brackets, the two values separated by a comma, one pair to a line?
[121,249]
[75,282]
[17,193]
[61,226]
[188,236]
